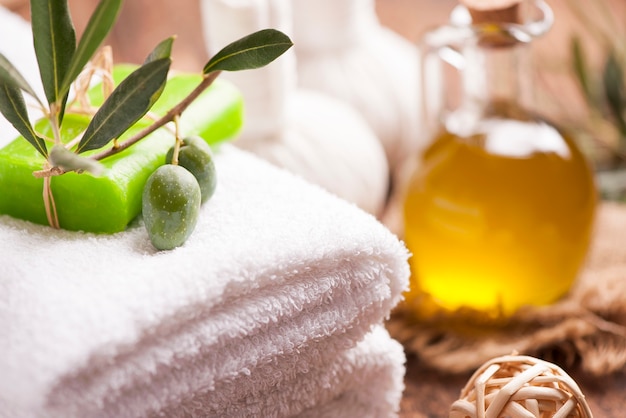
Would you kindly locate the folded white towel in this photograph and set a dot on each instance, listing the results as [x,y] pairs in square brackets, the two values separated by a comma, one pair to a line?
[372,378]
[365,381]
[278,277]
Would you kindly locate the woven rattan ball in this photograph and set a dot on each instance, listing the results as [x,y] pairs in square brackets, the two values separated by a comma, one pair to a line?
[520,387]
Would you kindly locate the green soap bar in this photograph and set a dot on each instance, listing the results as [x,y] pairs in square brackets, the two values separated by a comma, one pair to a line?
[109,202]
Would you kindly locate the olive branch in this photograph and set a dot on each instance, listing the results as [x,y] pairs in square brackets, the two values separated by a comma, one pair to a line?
[62,60]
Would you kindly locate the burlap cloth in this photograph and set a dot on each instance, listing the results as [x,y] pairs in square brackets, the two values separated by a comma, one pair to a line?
[585,329]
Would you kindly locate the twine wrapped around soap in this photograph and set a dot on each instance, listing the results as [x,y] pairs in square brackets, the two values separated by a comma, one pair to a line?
[520,386]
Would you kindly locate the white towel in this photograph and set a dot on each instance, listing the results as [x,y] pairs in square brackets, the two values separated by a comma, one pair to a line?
[365,381]
[372,378]
[276,280]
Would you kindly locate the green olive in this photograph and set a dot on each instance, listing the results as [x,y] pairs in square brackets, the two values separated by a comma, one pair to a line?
[170,206]
[196,156]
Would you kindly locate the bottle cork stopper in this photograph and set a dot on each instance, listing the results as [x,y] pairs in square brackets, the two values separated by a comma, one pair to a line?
[493,11]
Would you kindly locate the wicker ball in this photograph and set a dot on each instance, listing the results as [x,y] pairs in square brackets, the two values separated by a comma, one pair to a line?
[519,387]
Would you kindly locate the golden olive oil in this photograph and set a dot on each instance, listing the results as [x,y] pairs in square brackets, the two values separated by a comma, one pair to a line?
[500,217]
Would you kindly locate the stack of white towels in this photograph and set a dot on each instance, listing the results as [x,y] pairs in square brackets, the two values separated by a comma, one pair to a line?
[272,308]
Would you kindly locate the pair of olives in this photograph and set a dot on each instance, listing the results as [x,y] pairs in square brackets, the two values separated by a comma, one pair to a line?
[173,194]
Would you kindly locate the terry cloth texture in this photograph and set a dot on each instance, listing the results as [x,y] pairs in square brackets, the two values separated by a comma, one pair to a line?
[279,281]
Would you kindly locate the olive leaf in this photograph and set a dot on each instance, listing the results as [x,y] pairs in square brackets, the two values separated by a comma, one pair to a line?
[10,75]
[252,51]
[13,108]
[54,39]
[581,69]
[98,27]
[128,103]
[162,50]
[69,161]
[615,90]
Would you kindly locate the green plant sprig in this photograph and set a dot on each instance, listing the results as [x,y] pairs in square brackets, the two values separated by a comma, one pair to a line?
[61,61]
[602,84]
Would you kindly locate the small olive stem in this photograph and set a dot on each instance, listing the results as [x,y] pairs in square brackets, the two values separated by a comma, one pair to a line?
[178,142]
[54,122]
[71,144]
[169,117]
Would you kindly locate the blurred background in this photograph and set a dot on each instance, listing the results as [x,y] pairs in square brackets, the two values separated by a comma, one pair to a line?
[143,23]
[599,121]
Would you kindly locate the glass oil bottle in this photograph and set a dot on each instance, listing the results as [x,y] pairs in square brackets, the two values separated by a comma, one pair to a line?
[499,212]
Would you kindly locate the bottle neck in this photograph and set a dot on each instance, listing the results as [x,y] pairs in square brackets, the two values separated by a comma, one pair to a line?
[496,83]
[495,76]
[496,68]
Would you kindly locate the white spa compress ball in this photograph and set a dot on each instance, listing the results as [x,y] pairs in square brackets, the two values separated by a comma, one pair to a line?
[313,135]
[343,50]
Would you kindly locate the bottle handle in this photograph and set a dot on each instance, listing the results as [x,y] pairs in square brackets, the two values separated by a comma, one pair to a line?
[438,48]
